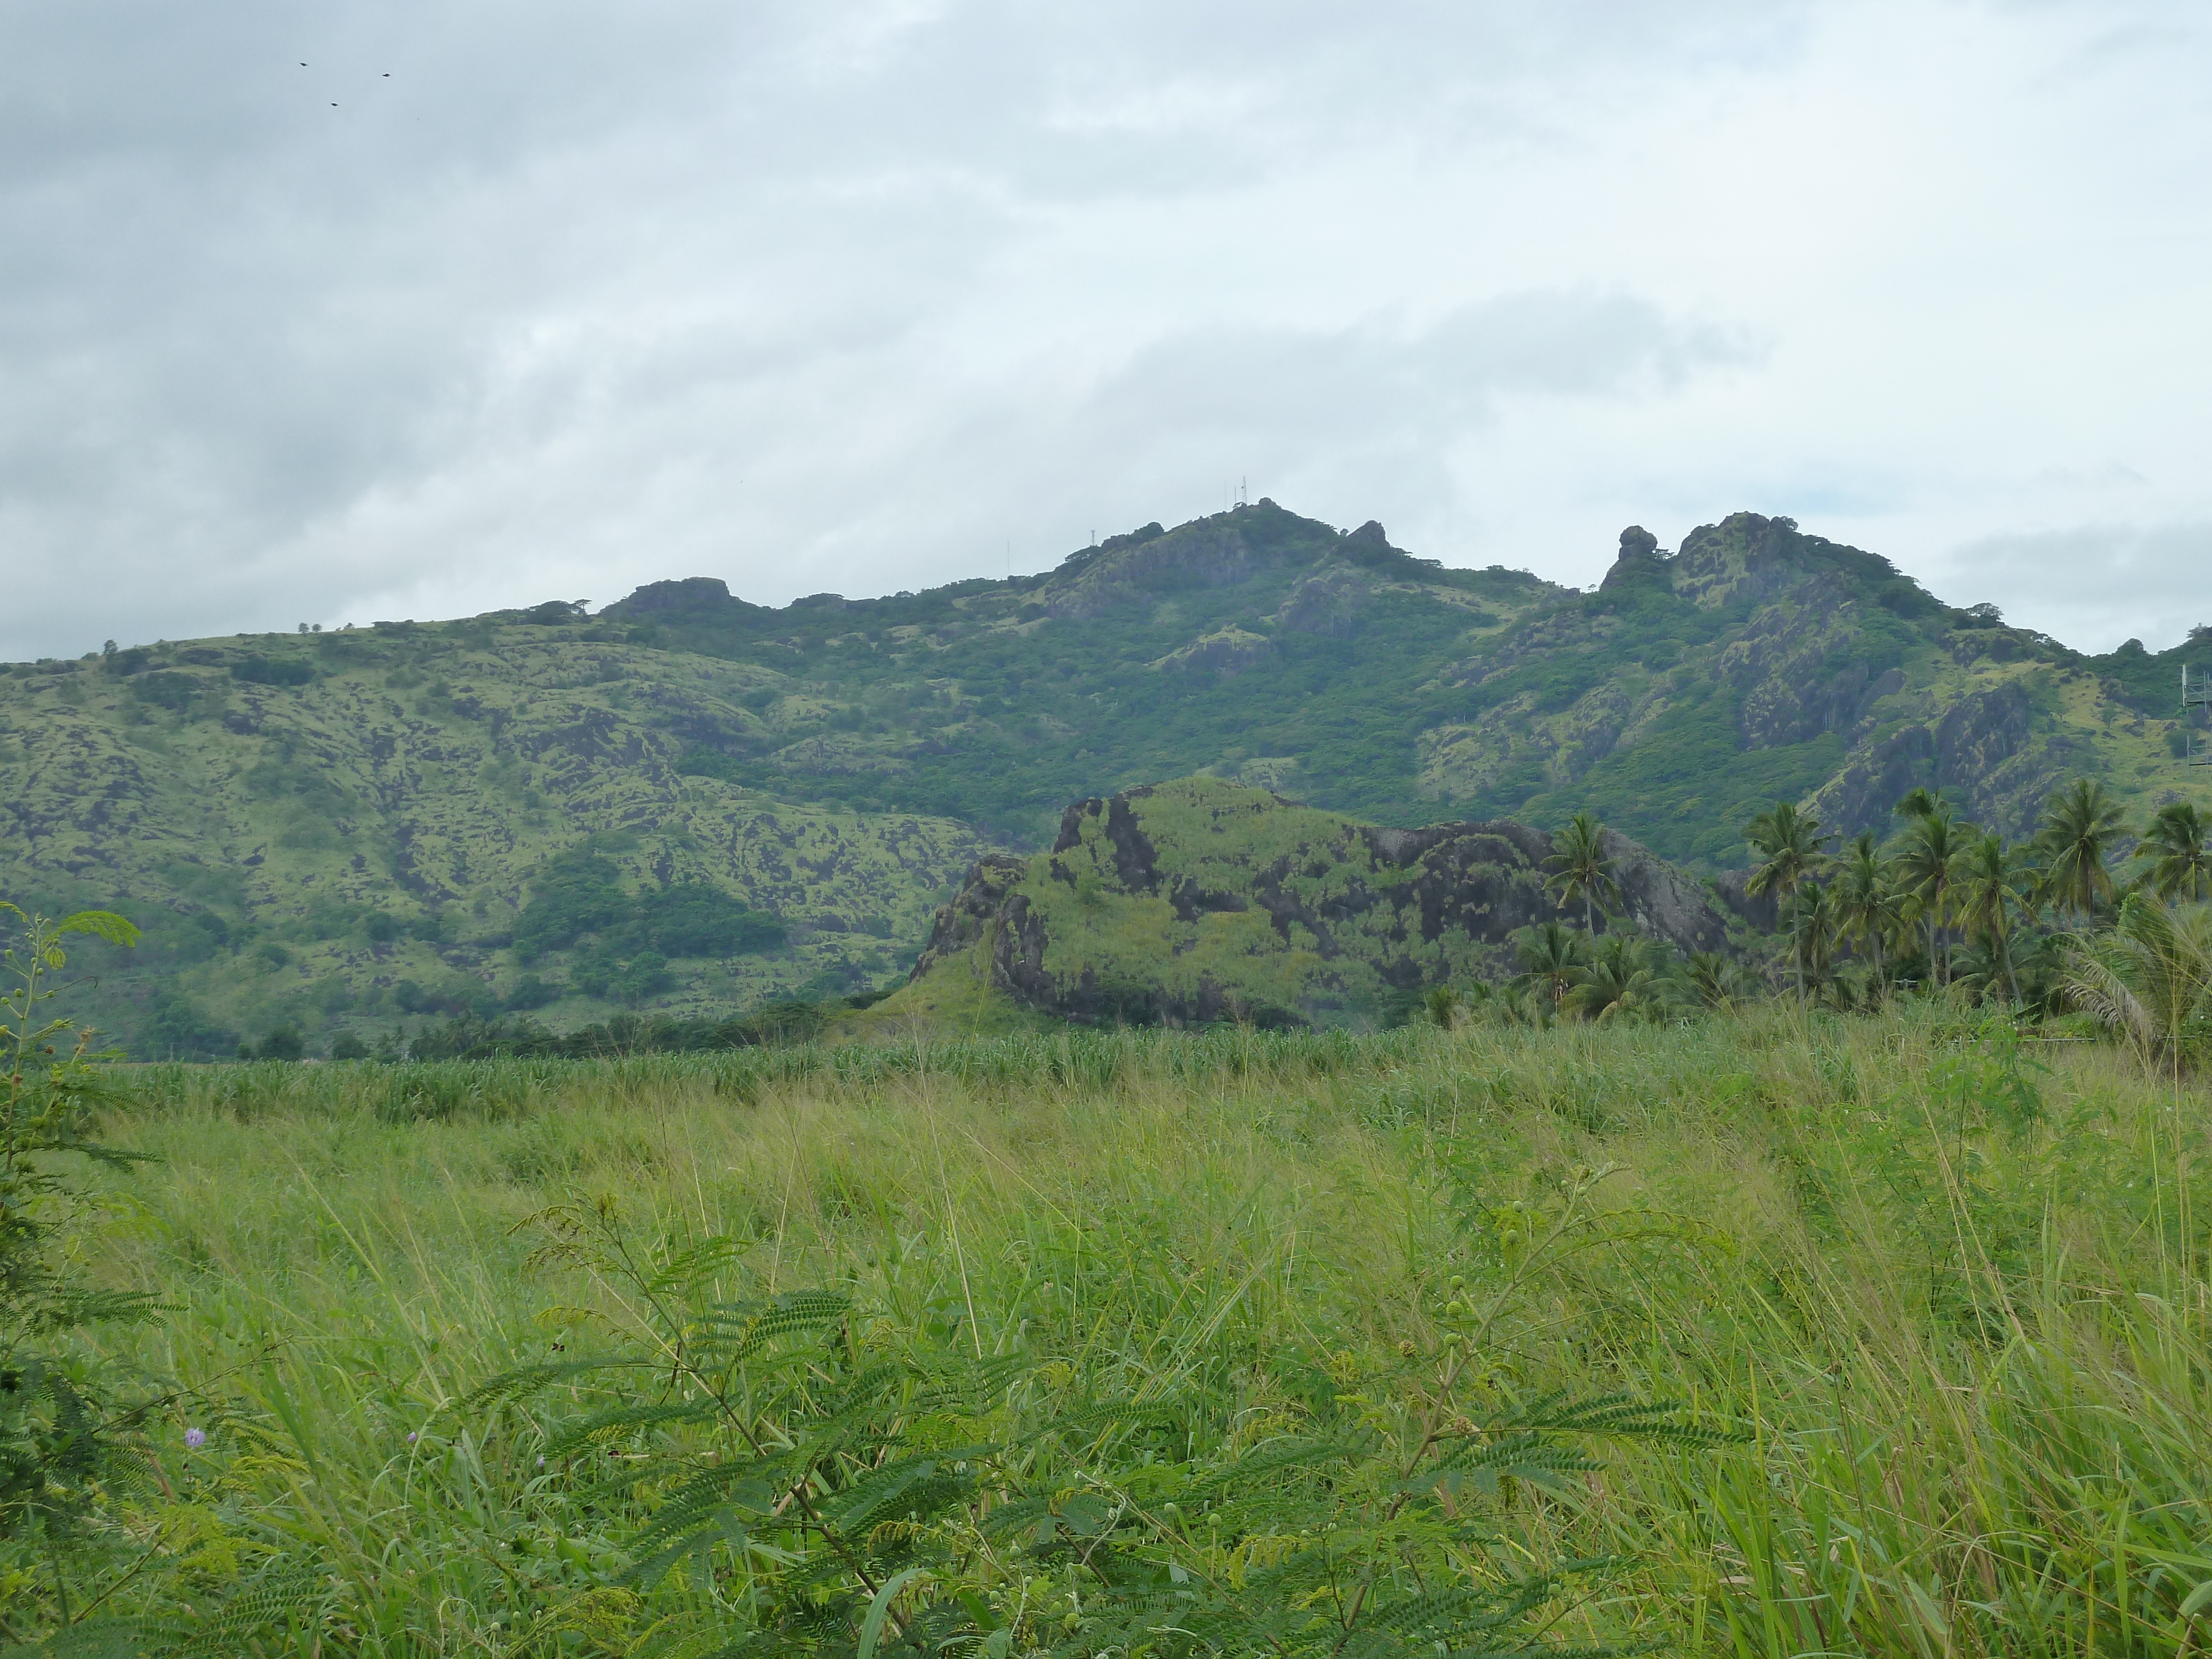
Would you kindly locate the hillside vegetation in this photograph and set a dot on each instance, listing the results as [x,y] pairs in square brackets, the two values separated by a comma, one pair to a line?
[1200,900]
[343,832]
[1184,1342]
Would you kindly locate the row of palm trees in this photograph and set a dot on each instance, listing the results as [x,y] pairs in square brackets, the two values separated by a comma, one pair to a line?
[1941,880]
[1943,902]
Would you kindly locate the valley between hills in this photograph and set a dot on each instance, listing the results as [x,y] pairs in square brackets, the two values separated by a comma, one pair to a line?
[688,803]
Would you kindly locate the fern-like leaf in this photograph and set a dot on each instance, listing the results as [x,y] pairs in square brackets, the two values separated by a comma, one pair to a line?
[529,1379]
[101,923]
[606,1424]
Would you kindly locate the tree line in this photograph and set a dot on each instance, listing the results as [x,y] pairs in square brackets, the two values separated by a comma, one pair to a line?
[2087,913]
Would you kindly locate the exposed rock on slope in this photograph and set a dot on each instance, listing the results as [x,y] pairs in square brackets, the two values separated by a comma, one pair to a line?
[1759,662]
[1191,900]
[1226,651]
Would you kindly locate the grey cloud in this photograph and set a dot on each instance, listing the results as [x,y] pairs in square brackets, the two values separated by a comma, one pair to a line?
[2091,585]
[1301,394]
[583,295]
[1316,417]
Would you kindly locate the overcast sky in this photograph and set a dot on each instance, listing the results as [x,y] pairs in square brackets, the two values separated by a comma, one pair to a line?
[338,311]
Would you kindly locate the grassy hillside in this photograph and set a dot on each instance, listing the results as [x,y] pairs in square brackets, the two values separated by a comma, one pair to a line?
[1951,1301]
[351,829]
[345,830]
[1199,900]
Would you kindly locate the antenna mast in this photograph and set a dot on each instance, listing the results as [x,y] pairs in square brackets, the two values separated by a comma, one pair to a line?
[2198,695]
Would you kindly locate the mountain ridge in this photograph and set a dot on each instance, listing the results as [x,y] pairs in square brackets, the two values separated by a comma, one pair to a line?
[344,831]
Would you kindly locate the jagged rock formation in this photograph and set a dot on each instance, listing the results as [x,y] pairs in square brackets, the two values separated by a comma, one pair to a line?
[1198,899]
[1759,662]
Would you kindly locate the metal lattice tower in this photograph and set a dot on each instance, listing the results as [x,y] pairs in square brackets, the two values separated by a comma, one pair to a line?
[2196,695]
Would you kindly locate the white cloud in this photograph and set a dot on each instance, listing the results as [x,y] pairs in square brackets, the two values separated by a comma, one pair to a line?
[850,295]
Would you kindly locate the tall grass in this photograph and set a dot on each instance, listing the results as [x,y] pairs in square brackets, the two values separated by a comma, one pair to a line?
[1955,1288]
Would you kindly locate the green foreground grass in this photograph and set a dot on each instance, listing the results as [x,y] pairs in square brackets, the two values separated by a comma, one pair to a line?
[1953,1291]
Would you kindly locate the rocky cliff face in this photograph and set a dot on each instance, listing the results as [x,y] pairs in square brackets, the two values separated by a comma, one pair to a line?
[1980,750]
[1208,553]
[1195,900]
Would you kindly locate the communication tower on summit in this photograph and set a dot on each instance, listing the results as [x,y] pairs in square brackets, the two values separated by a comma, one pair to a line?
[2195,695]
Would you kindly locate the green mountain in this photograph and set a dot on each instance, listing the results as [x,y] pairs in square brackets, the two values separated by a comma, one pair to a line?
[1198,899]
[691,803]
[1686,692]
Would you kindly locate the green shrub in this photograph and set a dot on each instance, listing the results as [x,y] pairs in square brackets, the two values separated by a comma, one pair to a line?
[579,896]
[267,671]
[285,1042]
[880,1479]
[68,1432]
[174,1027]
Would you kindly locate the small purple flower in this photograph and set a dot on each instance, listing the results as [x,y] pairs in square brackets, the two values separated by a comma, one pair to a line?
[541,1460]
[411,1437]
[196,1438]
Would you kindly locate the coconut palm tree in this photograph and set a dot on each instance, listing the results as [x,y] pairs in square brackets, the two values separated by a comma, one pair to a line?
[1627,979]
[1927,859]
[1921,802]
[1868,907]
[1993,881]
[1813,934]
[2079,828]
[2178,847]
[1715,980]
[1552,961]
[2149,979]
[1581,869]
[1791,844]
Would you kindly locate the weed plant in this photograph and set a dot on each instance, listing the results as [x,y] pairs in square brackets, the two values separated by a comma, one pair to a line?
[1913,1311]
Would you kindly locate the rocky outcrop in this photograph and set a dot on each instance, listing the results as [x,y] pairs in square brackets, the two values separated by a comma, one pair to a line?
[1745,559]
[705,597]
[1639,556]
[973,909]
[1487,879]
[1216,552]
[1334,901]
[1225,652]
[1663,901]
[1761,910]
[1327,603]
[1222,551]
[1969,751]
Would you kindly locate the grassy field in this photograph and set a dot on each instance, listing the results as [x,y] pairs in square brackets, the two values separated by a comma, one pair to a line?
[1947,1292]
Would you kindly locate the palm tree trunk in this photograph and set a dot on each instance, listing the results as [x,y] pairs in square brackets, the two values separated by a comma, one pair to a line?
[2005,952]
[1944,934]
[1797,939]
